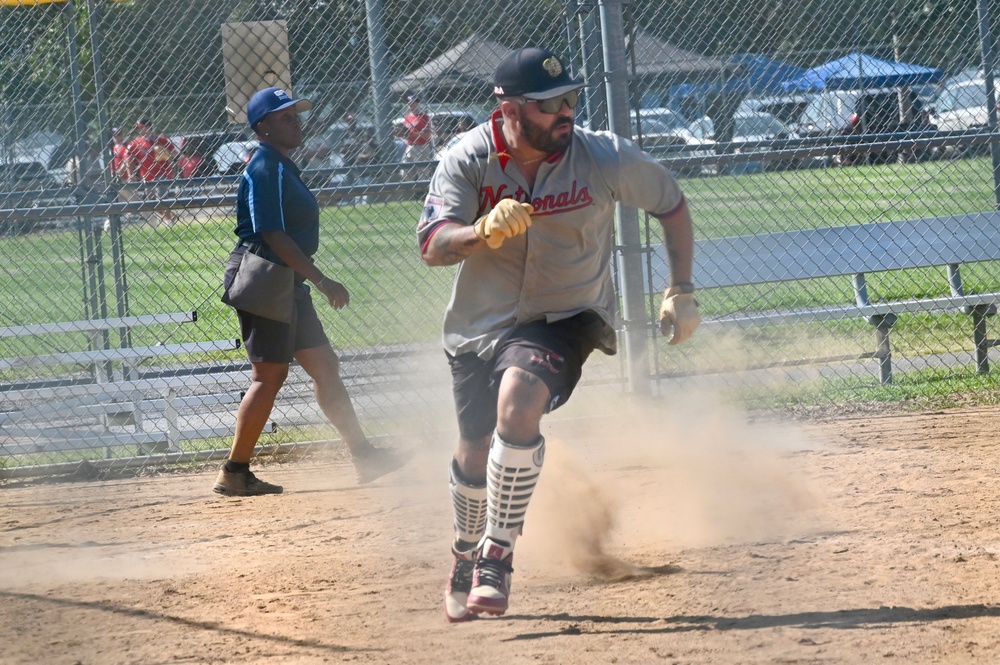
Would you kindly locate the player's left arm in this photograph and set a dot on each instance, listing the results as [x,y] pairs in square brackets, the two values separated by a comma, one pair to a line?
[678,241]
[679,315]
[645,183]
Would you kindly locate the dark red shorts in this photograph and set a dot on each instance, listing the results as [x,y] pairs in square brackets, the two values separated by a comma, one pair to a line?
[554,352]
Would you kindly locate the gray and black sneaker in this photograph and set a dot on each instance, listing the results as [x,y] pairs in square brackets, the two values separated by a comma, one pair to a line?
[242,483]
[374,463]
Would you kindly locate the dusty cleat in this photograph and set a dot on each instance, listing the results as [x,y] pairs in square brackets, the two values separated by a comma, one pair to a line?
[459,584]
[242,483]
[374,463]
[491,579]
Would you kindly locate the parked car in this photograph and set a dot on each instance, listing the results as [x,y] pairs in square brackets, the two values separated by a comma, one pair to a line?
[325,150]
[447,124]
[870,111]
[27,185]
[197,152]
[750,127]
[664,133]
[232,157]
[962,105]
[50,149]
[452,142]
[786,108]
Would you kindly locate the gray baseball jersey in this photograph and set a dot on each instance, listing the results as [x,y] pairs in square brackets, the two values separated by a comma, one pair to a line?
[562,265]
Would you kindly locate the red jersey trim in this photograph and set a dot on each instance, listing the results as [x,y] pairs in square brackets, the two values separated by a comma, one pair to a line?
[498,140]
[430,234]
[500,143]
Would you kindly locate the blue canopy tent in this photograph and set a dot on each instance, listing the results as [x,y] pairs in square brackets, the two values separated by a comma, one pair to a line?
[765,76]
[759,76]
[858,70]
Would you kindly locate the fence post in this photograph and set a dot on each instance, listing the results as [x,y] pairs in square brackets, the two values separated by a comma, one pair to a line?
[634,313]
[117,246]
[986,49]
[378,56]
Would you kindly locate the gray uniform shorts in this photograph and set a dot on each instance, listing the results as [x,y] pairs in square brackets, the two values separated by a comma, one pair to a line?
[554,352]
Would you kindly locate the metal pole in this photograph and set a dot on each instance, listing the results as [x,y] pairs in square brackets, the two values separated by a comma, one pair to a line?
[95,296]
[986,47]
[378,58]
[627,226]
[117,246]
[593,69]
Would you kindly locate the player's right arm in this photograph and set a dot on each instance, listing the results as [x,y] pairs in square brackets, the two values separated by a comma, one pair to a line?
[507,219]
[450,243]
[452,225]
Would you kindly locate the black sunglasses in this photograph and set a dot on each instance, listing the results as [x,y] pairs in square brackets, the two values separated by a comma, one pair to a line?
[553,105]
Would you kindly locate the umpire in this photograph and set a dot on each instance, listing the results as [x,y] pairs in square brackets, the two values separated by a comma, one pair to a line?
[277,217]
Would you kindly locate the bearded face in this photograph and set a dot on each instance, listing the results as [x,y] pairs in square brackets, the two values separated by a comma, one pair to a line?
[548,137]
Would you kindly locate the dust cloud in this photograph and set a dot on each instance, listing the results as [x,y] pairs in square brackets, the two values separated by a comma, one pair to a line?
[657,478]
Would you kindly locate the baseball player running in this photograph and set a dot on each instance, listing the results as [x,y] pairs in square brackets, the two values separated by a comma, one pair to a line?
[525,205]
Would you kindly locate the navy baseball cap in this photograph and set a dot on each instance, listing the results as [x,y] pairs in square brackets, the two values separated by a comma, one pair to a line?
[270,100]
[533,73]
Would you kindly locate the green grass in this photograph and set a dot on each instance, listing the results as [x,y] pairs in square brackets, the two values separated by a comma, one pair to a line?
[396,299]
[920,389]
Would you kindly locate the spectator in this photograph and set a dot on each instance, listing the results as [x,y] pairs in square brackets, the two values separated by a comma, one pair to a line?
[152,159]
[417,133]
[119,156]
[191,163]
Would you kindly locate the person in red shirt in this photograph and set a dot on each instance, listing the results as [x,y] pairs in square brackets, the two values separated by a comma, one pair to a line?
[119,155]
[152,158]
[417,130]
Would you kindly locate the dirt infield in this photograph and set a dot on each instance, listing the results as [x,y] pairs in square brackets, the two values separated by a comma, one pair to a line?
[696,537]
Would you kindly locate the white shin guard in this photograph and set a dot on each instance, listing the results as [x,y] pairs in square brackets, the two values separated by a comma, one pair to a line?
[469,502]
[511,475]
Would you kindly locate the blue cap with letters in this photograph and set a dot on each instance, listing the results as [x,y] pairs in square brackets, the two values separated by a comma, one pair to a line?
[270,100]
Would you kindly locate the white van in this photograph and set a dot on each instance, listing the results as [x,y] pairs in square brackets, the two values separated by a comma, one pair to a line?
[962,105]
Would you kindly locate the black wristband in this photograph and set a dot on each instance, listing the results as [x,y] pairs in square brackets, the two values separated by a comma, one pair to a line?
[685,287]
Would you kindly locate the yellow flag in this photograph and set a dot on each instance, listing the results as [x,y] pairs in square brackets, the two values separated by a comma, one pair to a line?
[25,3]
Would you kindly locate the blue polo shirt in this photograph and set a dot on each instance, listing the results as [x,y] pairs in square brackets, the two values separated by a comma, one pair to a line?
[272,197]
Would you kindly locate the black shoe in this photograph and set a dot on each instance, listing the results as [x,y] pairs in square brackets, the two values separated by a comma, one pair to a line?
[242,483]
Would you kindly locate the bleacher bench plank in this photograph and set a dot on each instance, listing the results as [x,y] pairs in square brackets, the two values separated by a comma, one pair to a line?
[122,389]
[846,250]
[92,325]
[27,412]
[855,251]
[125,353]
[142,439]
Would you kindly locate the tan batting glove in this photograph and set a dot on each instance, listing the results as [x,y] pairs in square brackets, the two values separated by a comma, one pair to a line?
[507,219]
[679,312]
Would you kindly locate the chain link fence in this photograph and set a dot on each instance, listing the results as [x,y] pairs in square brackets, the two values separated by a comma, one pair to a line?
[842,157]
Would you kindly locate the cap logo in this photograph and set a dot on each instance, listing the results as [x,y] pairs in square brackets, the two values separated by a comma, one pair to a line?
[552,66]
[498,90]
[282,95]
